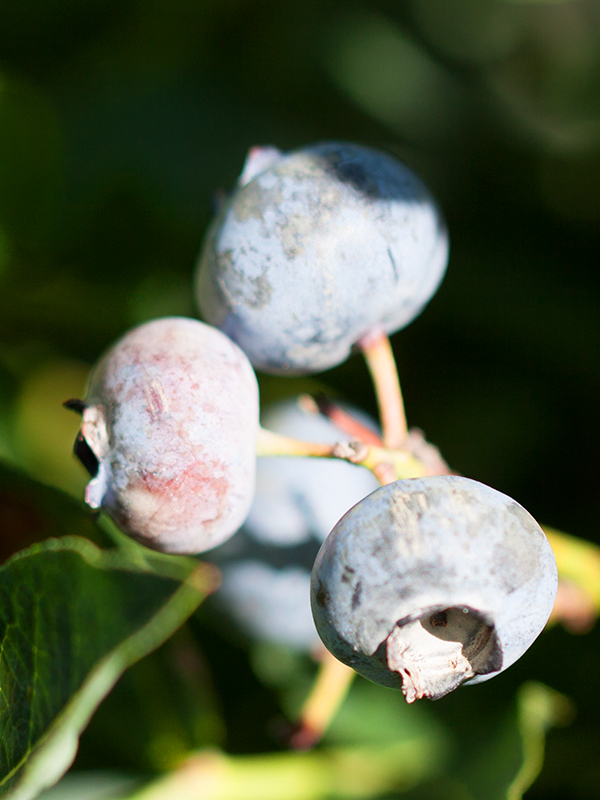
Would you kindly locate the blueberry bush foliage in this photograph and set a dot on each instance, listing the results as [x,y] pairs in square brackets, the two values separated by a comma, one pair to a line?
[122,125]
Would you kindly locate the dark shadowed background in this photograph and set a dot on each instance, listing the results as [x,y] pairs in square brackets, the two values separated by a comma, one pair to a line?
[120,122]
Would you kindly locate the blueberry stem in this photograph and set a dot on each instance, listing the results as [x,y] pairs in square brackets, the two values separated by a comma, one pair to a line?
[386,464]
[341,418]
[379,356]
[385,473]
[275,444]
[329,690]
[415,443]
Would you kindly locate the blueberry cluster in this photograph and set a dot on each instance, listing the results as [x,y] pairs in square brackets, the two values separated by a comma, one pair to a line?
[426,582]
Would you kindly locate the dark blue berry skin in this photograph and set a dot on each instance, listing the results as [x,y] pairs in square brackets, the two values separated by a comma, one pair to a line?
[316,249]
[428,583]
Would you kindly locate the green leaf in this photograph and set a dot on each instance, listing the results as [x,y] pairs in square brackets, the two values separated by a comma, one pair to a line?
[161,709]
[578,561]
[92,785]
[345,773]
[500,760]
[500,752]
[539,709]
[372,714]
[510,753]
[73,617]
[31,512]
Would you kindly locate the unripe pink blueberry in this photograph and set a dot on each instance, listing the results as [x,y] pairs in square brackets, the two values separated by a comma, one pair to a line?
[171,418]
[428,583]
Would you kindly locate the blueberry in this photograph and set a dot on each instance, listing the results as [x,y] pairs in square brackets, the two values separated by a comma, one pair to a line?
[317,248]
[266,566]
[298,499]
[168,435]
[427,583]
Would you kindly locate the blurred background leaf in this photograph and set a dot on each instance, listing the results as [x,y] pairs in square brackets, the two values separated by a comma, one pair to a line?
[497,758]
[53,672]
[31,512]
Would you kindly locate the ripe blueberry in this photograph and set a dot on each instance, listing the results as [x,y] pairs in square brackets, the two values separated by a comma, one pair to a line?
[169,435]
[266,566]
[427,583]
[317,248]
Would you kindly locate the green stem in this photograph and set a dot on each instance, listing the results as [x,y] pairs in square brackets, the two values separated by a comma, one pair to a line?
[382,461]
[270,443]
